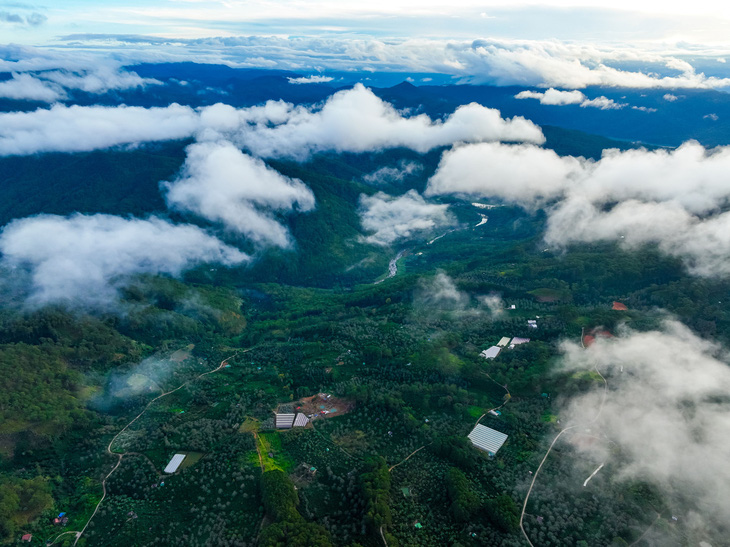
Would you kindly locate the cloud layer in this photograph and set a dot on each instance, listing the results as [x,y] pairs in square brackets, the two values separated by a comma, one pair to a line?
[393,175]
[57,73]
[32,19]
[84,128]
[353,120]
[310,80]
[674,199]
[82,260]
[553,96]
[666,411]
[496,61]
[526,175]
[557,97]
[26,87]
[221,184]
[389,218]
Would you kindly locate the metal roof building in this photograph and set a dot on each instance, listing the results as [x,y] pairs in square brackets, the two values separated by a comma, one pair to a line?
[284,421]
[175,462]
[503,342]
[491,353]
[301,420]
[487,439]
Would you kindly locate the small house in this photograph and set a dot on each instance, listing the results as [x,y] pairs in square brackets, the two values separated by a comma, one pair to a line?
[27,537]
[491,353]
[504,342]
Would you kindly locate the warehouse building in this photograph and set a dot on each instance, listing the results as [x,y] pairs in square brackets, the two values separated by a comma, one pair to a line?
[284,421]
[175,462]
[491,353]
[487,439]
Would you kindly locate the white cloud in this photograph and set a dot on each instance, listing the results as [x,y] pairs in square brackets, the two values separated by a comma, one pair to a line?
[672,199]
[32,19]
[665,411]
[393,175]
[64,71]
[702,242]
[82,260]
[310,80]
[441,293]
[220,183]
[553,96]
[604,103]
[670,97]
[537,63]
[494,304]
[690,175]
[559,98]
[526,175]
[26,87]
[83,128]
[100,79]
[714,117]
[355,120]
[567,65]
[644,109]
[391,218]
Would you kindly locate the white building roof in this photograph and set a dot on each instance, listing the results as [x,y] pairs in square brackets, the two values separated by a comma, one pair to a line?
[487,439]
[491,353]
[301,420]
[517,341]
[504,341]
[175,462]
[284,421]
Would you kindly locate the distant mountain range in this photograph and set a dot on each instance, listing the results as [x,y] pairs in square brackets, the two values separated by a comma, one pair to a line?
[658,117]
[652,116]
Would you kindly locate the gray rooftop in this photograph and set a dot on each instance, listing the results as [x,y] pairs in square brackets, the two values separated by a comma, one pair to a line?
[491,353]
[486,438]
[284,421]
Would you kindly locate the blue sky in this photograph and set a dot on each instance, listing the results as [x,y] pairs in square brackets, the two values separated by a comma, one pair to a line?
[627,21]
[563,43]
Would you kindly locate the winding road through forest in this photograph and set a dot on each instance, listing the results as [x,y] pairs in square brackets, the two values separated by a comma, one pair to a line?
[120,455]
[560,434]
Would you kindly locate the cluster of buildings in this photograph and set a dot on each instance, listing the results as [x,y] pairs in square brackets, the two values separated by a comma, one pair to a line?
[289,420]
[492,352]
